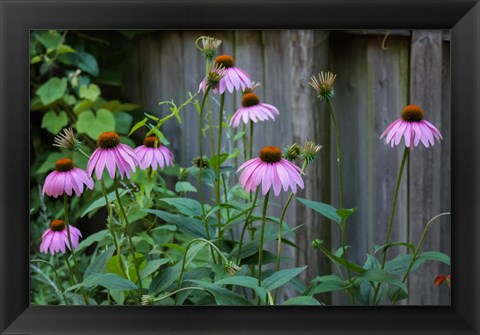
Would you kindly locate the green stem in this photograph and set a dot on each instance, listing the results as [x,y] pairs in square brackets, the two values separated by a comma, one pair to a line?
[217,182]
[392,214]
[247,219]
[67,225]
[415,254]
[200,144]
[262,233]
[225,195]
[280,228]
[340,185]
[339,151]
[129,237]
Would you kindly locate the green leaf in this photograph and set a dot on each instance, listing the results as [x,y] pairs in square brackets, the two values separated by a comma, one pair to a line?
[90,92]
[153,266]
[99,265]
[345,213]
[85,62]
[399,265]
[52,90]
[114,265]
[165,278]
[110,281]
[244,281]
[238,136]
[100,202]
[184,186]
[50,39]
[82,105]
[326,210]
[377,247]
[159,134]
[188,225]
[381,276]
[54,122]
[123,122]
[355,267]
[138,125]
[94,125]
[433,256]
[308,301]
[281,277]
[95,237]
[186,206]
[329,286]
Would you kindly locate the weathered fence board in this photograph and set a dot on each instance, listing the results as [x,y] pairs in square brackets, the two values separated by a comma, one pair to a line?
[376,79]
[426,182]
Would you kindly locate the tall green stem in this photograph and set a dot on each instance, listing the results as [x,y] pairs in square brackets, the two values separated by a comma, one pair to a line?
[200,143]
[72,250]
[280,228]
[392,214]
[340,185]
[250,149]
[247,219]
[339,151]
[217,183]
[262,233]
[129,237]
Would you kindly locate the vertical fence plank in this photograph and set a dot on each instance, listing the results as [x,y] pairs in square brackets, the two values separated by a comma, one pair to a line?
[371,90]
[425,182]
[309,50]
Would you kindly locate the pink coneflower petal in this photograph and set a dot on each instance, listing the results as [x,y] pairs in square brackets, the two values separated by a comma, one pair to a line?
[253,110]
[153,154]
[55,238]
[111,154]
[270,171]
[66,179]
[413,127]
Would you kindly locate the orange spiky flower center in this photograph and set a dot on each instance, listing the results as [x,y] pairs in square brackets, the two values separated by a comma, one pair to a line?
[151,141]
[250,99]
[270,154]
[412,113]
[225,60]
[64,165]
[108,140]
[57,225]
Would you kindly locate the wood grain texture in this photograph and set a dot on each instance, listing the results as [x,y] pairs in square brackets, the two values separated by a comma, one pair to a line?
[426,182]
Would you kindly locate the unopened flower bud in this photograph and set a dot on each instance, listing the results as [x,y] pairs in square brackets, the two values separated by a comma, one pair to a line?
[292,152]
[310,150]
[147,300]
[67,140]
[231,267]
[209,46]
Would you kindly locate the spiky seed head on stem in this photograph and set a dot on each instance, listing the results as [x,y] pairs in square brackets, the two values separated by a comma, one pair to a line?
[323,85]
[209,46]
[309,151]
[67,140]
[147,300]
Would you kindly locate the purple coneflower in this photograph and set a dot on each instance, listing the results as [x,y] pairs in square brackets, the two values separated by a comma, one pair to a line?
[413,127]
[66,178]
[111,153]
[55,238]
[153,153]
[253,110]
[272,171]
[232,77]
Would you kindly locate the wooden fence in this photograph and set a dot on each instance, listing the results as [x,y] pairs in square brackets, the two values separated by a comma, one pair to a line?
[379,72]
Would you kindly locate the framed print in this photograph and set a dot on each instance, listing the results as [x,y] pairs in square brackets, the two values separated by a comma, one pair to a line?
[218,167]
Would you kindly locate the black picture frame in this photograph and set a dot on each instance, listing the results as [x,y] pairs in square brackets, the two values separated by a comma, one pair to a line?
[17,17]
